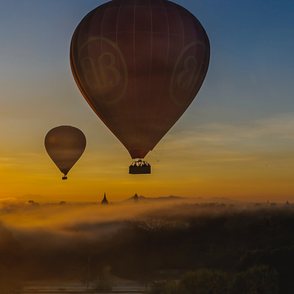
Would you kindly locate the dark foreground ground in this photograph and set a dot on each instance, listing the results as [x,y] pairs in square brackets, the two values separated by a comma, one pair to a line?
[77,287]
[119,285]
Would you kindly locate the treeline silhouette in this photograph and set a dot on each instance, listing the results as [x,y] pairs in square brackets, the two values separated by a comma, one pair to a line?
[161,244]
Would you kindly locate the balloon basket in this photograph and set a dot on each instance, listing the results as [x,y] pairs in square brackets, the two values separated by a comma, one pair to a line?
[140,167]
[64,178]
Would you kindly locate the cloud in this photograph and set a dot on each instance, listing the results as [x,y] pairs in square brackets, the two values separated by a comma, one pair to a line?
[277,127]
[234,139]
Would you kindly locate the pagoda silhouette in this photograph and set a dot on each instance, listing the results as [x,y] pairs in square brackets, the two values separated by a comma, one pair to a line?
[104,201]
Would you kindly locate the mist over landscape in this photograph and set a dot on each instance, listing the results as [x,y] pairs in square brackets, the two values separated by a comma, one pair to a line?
[144,241]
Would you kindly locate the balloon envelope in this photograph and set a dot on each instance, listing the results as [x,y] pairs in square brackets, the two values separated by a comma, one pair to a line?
[139,64]
[65,145]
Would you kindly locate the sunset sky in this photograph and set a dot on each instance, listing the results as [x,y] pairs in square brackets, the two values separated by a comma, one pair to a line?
[236,139]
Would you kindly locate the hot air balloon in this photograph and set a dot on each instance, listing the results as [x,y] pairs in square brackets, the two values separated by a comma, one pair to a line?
[65,145]
[139,64]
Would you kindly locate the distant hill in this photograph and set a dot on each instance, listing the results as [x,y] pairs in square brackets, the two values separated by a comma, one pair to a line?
[195,200]
[143,198]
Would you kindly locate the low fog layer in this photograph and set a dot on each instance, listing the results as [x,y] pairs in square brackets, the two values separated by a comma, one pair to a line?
[70,224]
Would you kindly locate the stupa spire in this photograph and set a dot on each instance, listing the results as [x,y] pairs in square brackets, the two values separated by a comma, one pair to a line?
[104,201]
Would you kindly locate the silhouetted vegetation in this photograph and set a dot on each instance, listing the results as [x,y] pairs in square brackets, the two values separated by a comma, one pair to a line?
[102,285]
[257,279]
[164,287]
[203,281]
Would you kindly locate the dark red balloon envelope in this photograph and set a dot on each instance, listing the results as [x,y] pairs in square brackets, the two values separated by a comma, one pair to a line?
[139,64]
[65,145]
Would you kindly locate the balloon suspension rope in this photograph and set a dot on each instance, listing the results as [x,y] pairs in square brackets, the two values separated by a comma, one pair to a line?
[160,152]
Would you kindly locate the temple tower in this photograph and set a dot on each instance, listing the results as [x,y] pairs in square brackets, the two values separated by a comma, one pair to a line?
[104,201]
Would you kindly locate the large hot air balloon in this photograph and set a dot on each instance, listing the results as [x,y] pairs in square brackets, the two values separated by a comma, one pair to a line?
[65,145]
[139,64]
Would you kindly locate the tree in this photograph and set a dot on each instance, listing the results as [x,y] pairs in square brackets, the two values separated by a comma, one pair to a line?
[256,280]
[164,287]
[103,285]
[280,259]
[204,281]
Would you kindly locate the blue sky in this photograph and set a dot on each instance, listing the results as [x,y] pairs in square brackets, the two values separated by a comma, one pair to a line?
[242,118]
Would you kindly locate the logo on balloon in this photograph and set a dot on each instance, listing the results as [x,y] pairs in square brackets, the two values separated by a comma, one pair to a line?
[188,73]
[104,70]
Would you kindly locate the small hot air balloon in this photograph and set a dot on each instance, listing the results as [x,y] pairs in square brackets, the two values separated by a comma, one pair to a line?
[65,145]
[139,64]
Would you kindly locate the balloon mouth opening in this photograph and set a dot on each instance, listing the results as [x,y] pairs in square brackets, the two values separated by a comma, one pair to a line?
[64,178]
[139,166]
[137,154]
